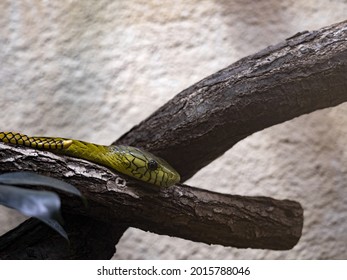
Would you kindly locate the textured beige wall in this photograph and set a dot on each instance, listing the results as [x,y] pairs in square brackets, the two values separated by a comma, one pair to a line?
[93,69]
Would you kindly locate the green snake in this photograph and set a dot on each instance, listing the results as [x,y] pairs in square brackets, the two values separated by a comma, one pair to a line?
[128,160]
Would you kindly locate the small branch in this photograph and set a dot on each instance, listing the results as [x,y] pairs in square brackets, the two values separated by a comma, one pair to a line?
[182,211]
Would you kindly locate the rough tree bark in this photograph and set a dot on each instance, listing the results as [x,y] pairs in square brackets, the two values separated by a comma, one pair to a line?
[305,73]
[182,211]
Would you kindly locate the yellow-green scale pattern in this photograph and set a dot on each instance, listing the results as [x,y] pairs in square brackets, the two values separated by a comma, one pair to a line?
[128,160]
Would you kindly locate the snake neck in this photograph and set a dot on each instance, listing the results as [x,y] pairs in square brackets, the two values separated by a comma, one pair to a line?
[93,152]
[99,154]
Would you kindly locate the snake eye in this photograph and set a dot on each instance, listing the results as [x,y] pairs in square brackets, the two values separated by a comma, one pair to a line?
[152,165]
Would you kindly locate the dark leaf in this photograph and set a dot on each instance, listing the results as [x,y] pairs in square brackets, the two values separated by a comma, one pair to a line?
[56,226]
[43,205]
[33,179]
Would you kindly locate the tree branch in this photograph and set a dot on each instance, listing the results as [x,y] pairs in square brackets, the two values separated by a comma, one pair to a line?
[305,73]
[181,211]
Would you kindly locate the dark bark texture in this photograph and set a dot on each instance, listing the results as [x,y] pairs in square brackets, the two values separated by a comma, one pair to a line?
[181,211]
[302,74]
[305,73]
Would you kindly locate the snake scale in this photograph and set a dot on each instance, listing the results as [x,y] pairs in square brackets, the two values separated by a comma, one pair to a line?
[128,160]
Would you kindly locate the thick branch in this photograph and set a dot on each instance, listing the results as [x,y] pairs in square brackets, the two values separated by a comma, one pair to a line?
[305,73]
[182,211]
[300,75]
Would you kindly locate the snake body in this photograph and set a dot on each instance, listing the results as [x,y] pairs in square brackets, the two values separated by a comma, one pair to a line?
[128,160]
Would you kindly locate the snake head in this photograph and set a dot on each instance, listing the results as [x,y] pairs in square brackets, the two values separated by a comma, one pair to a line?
[147,167]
